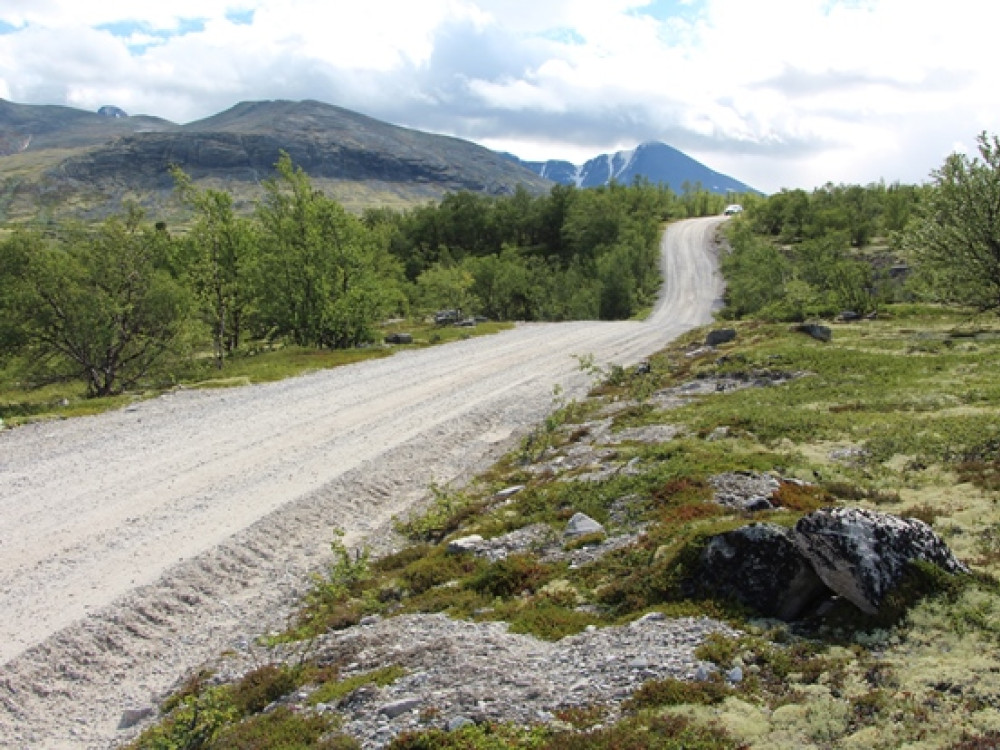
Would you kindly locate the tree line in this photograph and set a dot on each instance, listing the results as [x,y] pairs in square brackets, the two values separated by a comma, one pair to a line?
[796,255]
[114,304]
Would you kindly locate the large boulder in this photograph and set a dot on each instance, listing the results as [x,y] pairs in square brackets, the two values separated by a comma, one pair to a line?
[862,554]
[758,566]
[817,331]
[720,336]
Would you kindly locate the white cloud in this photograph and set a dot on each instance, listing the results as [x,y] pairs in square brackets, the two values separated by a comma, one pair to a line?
[776,92]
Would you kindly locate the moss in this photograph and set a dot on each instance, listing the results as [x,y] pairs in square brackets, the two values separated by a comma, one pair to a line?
[283,729]
[262,686]
[437,567]
[334,690]
[511,576]
[549,621]
[803,498]
[674,692]
[664,732]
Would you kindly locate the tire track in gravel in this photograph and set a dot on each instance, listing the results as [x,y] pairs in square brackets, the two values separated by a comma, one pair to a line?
[135,545]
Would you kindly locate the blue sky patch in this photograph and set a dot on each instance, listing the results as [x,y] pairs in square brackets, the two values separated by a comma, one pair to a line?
[125,29]
[664,10]
[240,17]
[6,28]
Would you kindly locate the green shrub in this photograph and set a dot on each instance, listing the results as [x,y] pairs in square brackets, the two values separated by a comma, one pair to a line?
[334,690]
[673,692]
[193,722]
[512,575]
[550,621]
[487,736]
[283,729]
[446,513]
[718,648]
[435,568]
[259,688]
[666,732]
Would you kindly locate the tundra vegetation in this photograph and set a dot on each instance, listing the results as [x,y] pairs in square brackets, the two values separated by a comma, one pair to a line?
[133,305]
[897,412]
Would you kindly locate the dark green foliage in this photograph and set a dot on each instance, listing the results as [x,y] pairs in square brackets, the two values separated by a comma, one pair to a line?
[672,692]
[956,238]
[549,620]
[323,279]
[334,690]
[262,686]
[219,256]
[101,306]
[511,576]
[920,580]
[486,736]
[569,255]
[282,729]
[435,568]
[666,732]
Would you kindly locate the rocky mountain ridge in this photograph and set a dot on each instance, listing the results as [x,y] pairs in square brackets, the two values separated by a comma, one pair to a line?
[654,161]
[66,161]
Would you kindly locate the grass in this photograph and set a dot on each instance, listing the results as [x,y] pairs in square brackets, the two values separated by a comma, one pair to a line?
[915,400]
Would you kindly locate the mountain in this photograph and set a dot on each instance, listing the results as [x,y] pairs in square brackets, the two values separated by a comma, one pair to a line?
[657,162]
[58,161]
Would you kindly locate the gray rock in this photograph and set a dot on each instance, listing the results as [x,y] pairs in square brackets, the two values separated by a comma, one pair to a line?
[861,554]
[509,491]
[758,566]
[399,338]
[581,524]
[458,722]
[735,675]
[818,332]
[720,336]
[744,490]
[132,716]
[465,544]
[400,707]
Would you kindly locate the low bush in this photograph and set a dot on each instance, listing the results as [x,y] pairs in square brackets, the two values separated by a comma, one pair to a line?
[511,576]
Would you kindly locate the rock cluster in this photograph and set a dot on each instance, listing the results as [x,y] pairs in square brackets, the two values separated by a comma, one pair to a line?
[857,554]
[457,672]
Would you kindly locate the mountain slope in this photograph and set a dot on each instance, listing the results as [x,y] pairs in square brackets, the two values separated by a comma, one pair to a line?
[62,161]
[657,162]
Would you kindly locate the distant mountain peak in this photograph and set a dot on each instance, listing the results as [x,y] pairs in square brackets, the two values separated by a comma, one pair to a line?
[653,160]
[109,110]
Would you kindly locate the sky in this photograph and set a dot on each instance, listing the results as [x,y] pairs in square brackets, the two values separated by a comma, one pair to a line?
[776,93]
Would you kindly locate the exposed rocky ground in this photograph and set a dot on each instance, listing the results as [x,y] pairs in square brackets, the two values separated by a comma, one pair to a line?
[788,560]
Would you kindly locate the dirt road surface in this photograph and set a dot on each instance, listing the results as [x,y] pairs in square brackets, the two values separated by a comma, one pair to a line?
[137,544]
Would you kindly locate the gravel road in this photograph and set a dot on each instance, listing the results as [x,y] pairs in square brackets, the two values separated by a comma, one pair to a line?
[135,545]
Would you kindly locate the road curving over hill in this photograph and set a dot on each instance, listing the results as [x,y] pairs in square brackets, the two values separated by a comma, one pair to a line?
[137,544]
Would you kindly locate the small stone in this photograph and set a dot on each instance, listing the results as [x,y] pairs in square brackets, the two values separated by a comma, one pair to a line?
[652,617]
[400,707]
[505,493]
[368,620]
[458,722]
[132,716]
[581,524]
[735,675]
[465,544]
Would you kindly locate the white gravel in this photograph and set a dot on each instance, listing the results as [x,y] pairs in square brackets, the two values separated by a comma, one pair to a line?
[137,544]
